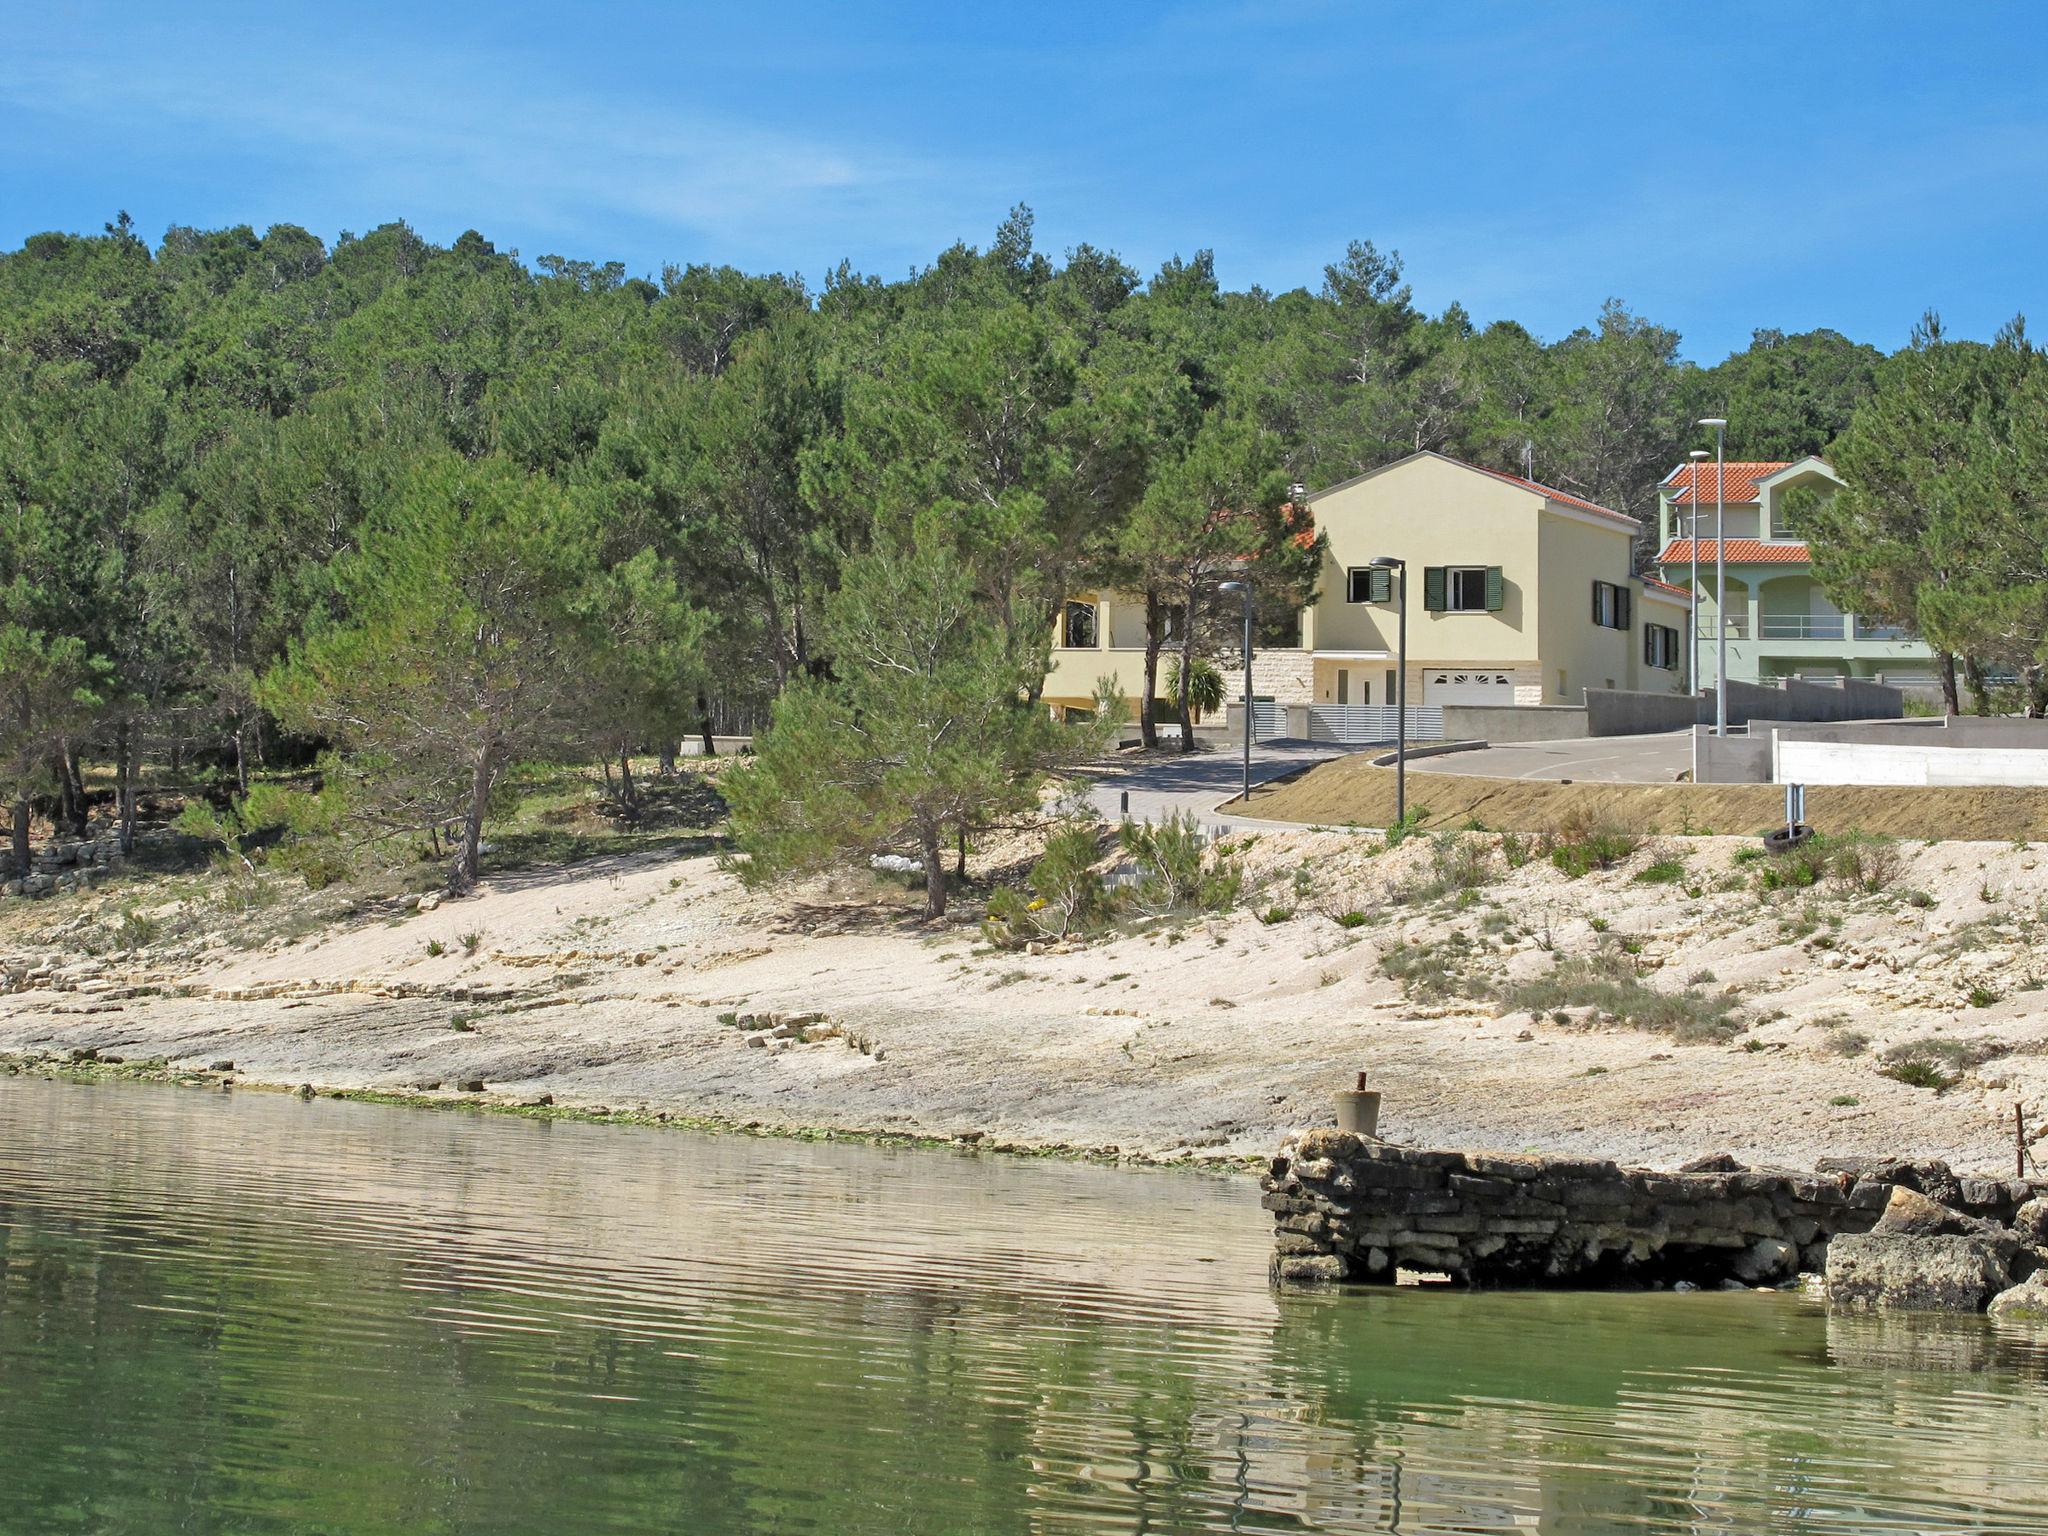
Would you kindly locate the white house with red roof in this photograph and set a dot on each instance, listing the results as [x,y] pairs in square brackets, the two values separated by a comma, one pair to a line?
[1780,623]
[1519,593]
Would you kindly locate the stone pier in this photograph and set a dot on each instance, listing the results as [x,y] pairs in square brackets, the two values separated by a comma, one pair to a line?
[1351,1208]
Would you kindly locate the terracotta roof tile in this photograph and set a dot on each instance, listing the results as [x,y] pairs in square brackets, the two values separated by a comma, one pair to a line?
[1740,552]
[1663,586]
[1742,476]
[1553,493]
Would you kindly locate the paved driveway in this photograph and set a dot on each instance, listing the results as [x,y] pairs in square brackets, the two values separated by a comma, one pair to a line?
[1197,783]
[1655,759]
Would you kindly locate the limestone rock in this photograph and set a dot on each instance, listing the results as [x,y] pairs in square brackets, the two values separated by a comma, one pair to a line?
[1766,1261]
[2030,1222]
[1940,1273]
[1908,1213]
[2027,1301]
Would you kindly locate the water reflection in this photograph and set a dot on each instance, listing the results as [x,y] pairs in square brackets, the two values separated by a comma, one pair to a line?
[256,1315]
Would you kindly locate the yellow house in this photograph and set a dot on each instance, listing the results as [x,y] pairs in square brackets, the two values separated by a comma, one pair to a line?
[1518,593]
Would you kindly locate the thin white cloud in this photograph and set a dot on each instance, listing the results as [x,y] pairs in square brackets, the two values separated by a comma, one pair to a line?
[475,140]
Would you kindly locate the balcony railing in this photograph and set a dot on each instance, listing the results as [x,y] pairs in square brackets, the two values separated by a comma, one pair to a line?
[1882,631]
[1802,626]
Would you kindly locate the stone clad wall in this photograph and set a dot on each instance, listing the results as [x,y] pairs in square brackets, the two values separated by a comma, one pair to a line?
[1348,1208]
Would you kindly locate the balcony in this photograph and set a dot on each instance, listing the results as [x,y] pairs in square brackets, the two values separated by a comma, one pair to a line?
[1801,626]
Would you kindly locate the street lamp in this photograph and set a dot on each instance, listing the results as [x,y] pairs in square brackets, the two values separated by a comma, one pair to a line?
[1243,589]
[1692,676]
[1720,426]
[1391,563]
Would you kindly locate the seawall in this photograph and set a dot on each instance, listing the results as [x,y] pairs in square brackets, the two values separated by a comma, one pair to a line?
[1351,1208]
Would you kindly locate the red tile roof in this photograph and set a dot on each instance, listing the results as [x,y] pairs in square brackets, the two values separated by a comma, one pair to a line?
[1664,586]
[1552,492]
[1742,476]
[1740,552]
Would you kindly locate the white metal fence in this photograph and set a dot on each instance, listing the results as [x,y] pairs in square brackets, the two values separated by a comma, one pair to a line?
[1268,719]
[1363,724]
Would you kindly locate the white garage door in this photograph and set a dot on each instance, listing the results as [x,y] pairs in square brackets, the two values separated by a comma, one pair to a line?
[1449,686]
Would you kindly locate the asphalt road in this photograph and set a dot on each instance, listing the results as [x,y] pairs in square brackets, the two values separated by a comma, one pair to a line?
[1199,782]
[1655,759]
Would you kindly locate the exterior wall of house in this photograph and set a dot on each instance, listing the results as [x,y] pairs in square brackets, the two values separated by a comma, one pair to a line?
[1429,511]
[1575,554]
[1668,609]
[1118,653]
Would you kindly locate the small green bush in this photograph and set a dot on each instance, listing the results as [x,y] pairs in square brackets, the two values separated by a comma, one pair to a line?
[1276,914]
[1173,873]
[1582,981]
[1663,872]
[1595,847]
[1352,919]
[1920,1074]
[1864,862]
[1067,895]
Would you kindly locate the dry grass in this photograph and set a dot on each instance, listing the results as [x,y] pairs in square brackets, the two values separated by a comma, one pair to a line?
[1351,791]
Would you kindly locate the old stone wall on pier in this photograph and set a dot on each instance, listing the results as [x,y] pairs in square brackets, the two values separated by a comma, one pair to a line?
[1351,1208]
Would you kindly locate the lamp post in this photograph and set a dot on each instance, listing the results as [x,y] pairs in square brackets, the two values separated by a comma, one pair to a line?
[1391,563]
[1243,589]
[1720,426]
[1692,675]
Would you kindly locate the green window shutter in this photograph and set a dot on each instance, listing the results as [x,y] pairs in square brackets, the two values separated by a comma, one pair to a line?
[1496,590]
[1382,585]
[1596,600]
[1649,645]
[1625,601]
[1433,588]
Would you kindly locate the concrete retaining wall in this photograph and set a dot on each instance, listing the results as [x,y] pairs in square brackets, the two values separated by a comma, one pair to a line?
[1965,750]
[1625,712]
[1350,1208]
[1616,712]
[1847,762]
[1498,724]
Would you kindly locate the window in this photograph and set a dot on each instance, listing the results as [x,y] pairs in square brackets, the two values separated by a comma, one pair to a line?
[1080,627]
[1368,584]
[1610,605]
[1463,589]
[1660,647]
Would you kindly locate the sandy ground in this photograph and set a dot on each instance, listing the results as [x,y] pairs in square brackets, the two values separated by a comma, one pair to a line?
[621,983]
[1351,790]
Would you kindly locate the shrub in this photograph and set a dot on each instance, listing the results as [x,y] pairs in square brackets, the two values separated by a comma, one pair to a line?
[1663,872]
[1581,981]
[470,941]
[436,947]
[1938,1062]
[1435,972]
[1457,863]
[1919,1074]
[1798,868]
[1172,873]
[1864,862]
[1584,845]
[1847,1042]
[1399,832]
[1068,896]
[1352,919]
[1844,1100]
[1982,997]
[1276,915]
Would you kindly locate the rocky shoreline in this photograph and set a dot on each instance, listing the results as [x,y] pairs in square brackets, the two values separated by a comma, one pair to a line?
[1876,1233]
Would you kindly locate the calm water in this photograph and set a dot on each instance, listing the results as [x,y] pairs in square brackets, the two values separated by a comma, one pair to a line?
[249,1314]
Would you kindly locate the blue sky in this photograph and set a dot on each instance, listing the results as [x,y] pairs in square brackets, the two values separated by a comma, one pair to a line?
[1719,167]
